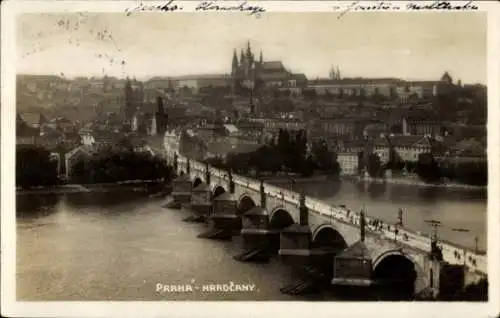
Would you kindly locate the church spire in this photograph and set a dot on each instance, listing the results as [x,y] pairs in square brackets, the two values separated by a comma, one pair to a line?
[242,58]
[234,65]
[333,75]
[250,56]
[249,49]
[261,59]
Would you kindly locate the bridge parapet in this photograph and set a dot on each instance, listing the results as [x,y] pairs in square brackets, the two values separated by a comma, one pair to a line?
[198,166]
[452,253]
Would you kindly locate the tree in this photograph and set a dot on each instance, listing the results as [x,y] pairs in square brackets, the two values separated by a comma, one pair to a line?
[328,95]
[34,167]
[473,173]
[310,94]
[308,167]
[361,161]
[374,166]
[116,165]
[321,155]
[427,168]
[216,162]
[283,141]
[395,162]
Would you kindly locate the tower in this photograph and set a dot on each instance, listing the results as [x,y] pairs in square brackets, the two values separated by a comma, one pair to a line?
[154,128]
[128,108]
[235,71]
[234,64]
[160,118]
[242,59]
[249,59]
[446,78]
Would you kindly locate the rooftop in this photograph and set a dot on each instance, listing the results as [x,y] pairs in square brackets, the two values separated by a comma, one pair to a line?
[359,81]
[230,128]
[273,65]
[32,118]
[201,77]
[402,141]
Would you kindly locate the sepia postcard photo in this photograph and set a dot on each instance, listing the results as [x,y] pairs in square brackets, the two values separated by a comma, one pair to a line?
[257,158]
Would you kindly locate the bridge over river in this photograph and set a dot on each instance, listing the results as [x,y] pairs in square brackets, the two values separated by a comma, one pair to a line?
[385,247]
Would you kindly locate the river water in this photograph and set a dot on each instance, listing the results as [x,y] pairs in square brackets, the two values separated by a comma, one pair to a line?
[119,246]
[455,208]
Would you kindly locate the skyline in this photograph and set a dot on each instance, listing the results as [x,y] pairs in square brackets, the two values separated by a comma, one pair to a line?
[422,47]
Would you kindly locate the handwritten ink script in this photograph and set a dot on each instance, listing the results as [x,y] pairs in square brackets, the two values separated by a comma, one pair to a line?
[360,6]
[172,6]
[169,6]
[243,7]
[443,5]
[357,6]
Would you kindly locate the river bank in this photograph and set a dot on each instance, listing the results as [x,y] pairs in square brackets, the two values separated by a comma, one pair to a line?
[413,182]
[315,178]
[132,185]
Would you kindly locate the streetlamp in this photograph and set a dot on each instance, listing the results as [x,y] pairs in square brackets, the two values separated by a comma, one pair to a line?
[435,252]
[435,224]
[476,247]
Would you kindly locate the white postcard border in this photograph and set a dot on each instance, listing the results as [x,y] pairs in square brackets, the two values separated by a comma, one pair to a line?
[10,307]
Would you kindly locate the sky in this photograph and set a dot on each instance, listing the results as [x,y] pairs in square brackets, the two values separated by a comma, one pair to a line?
[405,45]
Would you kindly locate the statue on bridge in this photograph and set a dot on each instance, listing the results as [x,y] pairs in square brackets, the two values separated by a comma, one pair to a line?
[207,173]
[231,181]
[362,224]
[176,162]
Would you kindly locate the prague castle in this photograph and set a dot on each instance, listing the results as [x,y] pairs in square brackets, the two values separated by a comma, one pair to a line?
[246,73]
[249,73]
[256,74]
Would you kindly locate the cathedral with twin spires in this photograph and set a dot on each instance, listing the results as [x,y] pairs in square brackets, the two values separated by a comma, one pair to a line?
[248,72]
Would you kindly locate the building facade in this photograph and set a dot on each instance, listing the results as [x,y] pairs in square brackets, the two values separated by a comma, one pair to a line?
[250,73]
[348,162]
[384,87]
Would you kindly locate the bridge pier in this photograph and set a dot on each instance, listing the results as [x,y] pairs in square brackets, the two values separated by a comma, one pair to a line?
[260,242]
[223,220]
[201,203]
[295,251]
[295,240]
[181,192]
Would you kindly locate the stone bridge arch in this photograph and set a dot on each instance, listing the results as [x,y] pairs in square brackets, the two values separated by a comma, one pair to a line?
[218,190]
[399,273]
[327,236]
[280,218]
[328,240]
[197,181]
[245,203]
